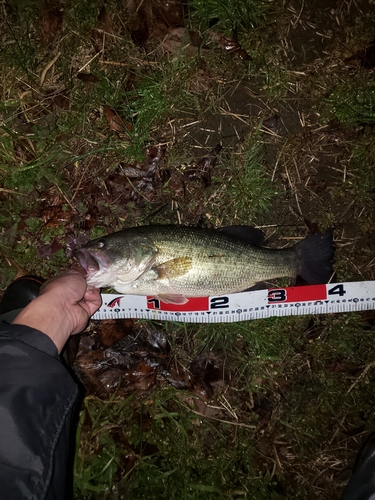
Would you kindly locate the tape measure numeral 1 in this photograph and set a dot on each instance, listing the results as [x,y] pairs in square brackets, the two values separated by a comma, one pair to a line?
[289,301]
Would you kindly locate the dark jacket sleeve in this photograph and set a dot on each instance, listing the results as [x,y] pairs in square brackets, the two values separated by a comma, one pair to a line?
[37,402]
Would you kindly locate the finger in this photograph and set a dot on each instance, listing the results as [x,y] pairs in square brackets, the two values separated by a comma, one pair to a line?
[89,307]
[69,288]
[93,299]
[93,295]
[71,272]
[79,269]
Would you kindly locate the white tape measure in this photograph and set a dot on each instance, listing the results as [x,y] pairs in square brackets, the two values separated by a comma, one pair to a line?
[290,301]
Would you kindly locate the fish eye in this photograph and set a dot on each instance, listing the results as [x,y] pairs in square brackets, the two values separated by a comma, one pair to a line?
[100,244]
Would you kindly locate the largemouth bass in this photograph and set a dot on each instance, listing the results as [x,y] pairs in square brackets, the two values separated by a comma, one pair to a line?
[174,263]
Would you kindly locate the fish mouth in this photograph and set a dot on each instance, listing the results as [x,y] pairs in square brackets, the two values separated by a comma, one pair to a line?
[87,260]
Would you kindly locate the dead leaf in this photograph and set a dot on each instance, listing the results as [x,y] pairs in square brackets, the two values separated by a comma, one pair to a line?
[170,13]
[157,21]
[141,359]
[139,180]
[116,124]
[143,376]
[203,169]
[59,102]
[111,331]
[343,366]
[87,78]
[140,36]
[174,40]
[47,250]
[55,216]
[196,40]
[364,57]
[272,123]
[51,24]
[105,21]
[230,45]
[102,33]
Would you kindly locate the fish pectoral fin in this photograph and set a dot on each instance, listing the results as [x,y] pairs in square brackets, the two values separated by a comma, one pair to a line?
[173,299]
[173,268]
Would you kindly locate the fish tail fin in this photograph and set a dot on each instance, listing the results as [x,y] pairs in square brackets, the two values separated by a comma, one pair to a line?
[315,254]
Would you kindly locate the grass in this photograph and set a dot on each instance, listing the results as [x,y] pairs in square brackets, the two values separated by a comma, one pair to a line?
[294,400]
[158,446]
[353,102]
[236,17]
[163,445]
[250,189]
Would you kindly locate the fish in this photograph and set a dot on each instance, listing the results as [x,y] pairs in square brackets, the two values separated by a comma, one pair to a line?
[174,263]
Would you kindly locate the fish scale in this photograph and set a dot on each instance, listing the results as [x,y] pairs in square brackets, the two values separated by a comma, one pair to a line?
[218,262]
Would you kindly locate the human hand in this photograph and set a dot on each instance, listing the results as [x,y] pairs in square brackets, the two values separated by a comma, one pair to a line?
[63,307]
[78,300]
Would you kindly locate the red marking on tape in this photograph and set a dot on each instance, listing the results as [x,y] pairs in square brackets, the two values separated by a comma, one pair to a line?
[297,294]
[114,302]
[193,304]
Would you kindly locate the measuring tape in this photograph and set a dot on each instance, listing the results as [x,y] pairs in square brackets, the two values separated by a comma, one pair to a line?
[259,304]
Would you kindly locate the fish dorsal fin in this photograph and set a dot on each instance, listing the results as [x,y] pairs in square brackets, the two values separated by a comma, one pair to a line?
[173,268]
[249,234]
